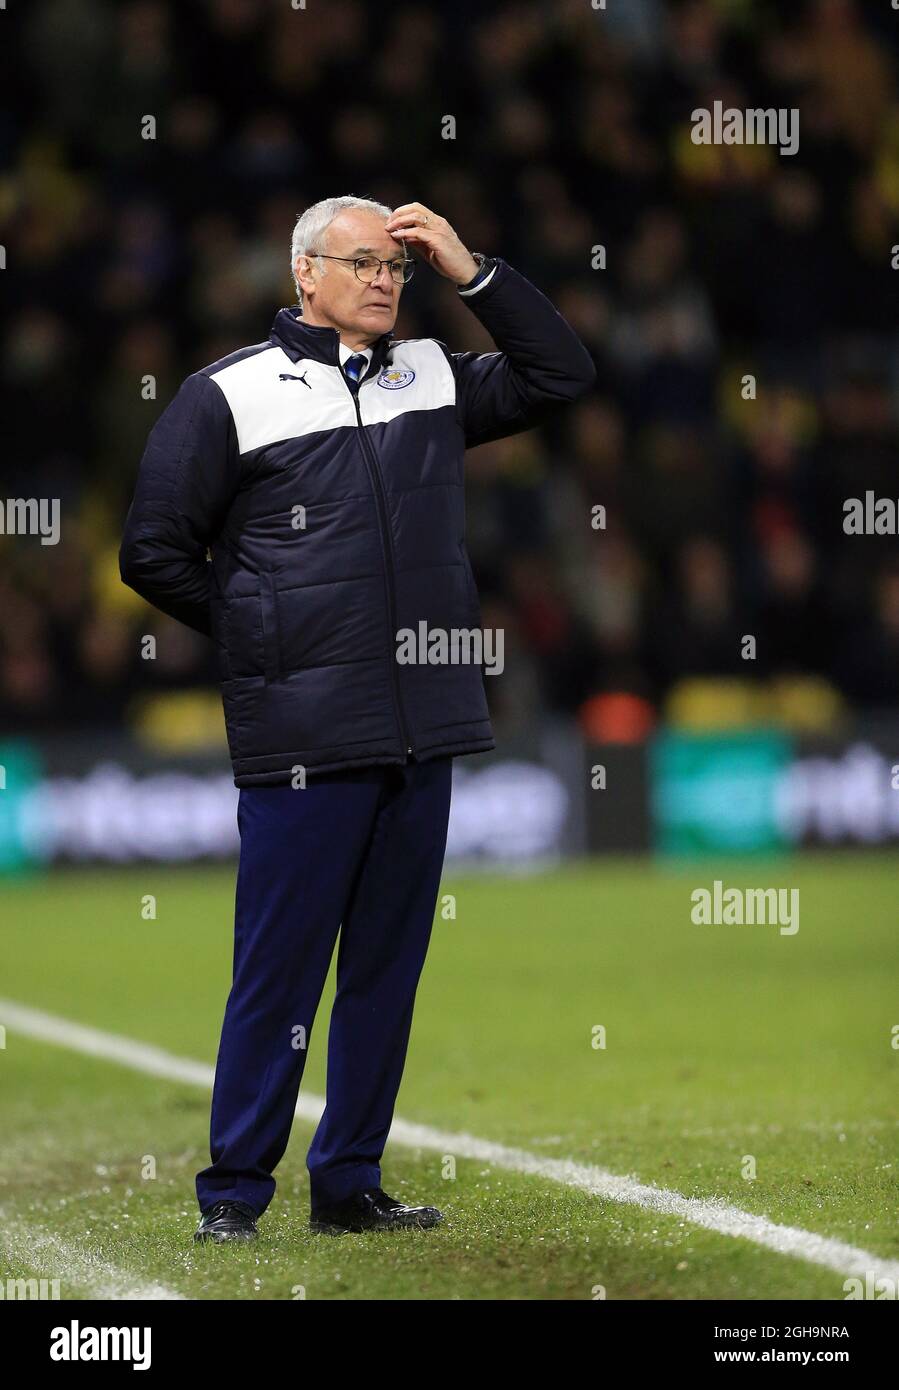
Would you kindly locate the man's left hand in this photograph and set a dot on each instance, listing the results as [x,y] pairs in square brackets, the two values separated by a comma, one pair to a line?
[435,241]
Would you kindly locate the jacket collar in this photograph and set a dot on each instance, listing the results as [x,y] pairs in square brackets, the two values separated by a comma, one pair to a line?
[300,339]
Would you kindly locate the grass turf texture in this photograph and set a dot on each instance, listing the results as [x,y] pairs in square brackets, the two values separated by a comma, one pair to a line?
[722,1042]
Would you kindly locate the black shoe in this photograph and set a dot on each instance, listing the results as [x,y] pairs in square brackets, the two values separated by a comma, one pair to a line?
[227,1220]
[371,1210]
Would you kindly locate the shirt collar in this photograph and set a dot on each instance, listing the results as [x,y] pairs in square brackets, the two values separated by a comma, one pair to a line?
[319,343]
[346,352]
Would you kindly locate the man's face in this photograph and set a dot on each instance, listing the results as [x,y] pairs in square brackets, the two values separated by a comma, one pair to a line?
[338,298]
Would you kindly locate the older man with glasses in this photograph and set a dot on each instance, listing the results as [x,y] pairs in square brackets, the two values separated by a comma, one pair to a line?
[300,501]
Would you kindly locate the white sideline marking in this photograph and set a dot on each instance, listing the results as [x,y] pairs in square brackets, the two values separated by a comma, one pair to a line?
[712,1213]
[72,1264]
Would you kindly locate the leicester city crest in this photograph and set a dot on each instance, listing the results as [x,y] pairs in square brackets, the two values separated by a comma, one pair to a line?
[393,378]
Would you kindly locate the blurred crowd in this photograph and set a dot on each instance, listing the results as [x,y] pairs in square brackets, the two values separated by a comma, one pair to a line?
[741,314]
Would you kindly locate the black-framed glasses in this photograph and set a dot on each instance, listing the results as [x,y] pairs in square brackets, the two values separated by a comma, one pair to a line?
[368,268]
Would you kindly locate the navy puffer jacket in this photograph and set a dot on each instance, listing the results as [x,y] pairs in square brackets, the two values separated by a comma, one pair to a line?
[333,520]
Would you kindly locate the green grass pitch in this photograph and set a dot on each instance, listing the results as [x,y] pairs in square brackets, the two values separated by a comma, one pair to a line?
[728,1050]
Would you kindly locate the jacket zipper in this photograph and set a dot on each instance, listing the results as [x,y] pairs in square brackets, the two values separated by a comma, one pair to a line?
[387,546]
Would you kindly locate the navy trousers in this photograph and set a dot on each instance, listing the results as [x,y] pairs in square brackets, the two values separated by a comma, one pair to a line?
[359,852]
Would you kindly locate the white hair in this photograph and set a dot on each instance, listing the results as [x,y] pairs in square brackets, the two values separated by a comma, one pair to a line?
[312,225]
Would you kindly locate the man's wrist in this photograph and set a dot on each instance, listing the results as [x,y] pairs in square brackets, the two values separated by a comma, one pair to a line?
[477,258]
[485,264]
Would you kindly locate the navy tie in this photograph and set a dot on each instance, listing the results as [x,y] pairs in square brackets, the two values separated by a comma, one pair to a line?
[354,367]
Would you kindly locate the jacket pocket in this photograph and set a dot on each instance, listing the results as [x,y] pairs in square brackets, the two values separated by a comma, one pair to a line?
[470,584]
[271,637]
[220,613]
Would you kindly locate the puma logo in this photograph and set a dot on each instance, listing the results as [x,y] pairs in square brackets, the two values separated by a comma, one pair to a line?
[286,376]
